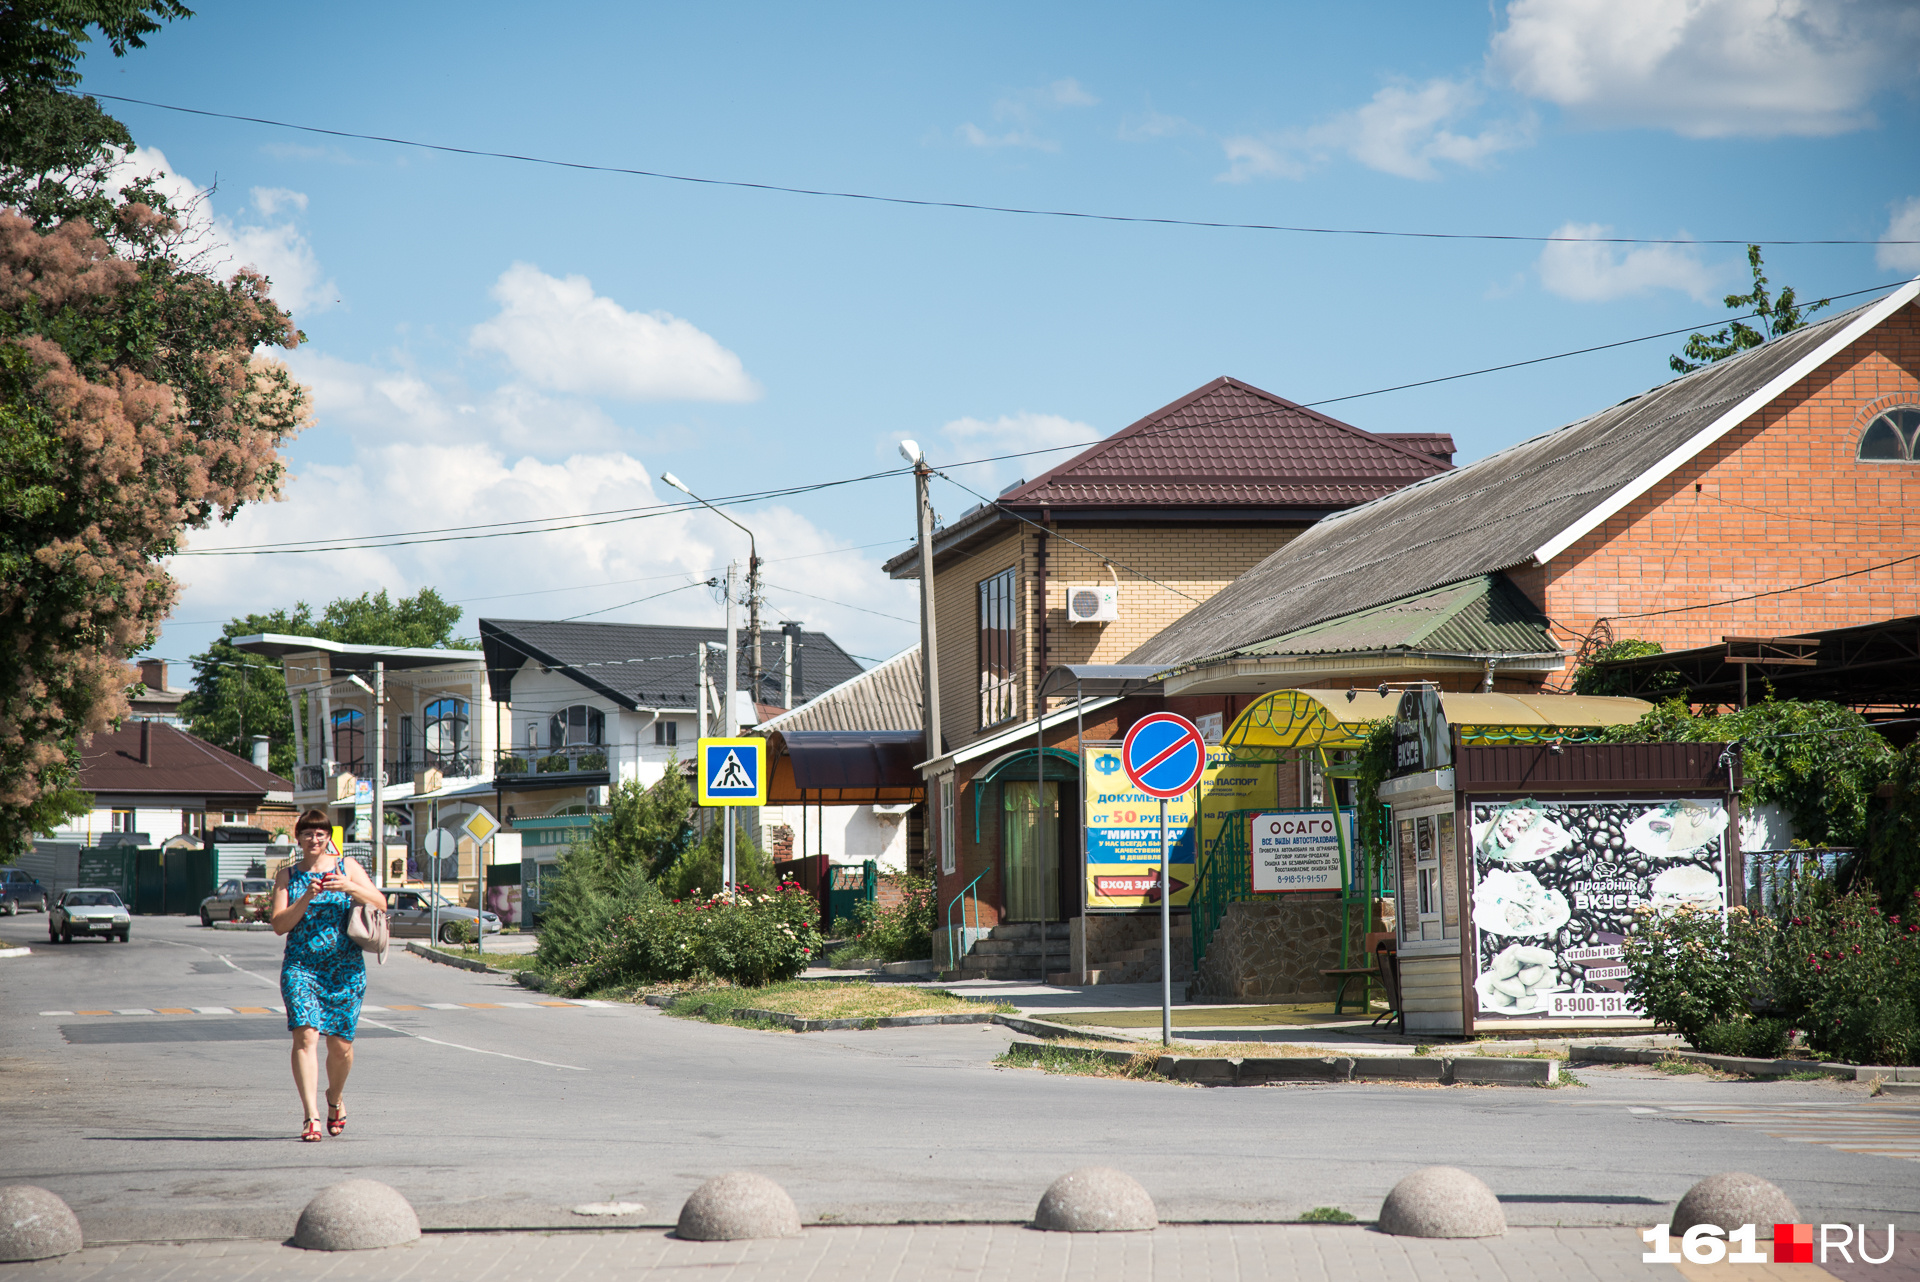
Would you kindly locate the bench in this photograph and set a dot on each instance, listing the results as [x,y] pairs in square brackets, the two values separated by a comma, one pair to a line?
[1365,974]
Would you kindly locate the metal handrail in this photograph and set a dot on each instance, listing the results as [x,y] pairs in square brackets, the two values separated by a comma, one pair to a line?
[952,961]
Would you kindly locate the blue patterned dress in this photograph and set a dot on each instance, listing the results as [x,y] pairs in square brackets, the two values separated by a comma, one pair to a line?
[324,975]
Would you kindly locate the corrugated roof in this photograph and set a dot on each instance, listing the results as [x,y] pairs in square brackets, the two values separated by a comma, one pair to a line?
[176,762]
[647,665]
[1484,615]
[1223,447]
[886,697]
[1486,516]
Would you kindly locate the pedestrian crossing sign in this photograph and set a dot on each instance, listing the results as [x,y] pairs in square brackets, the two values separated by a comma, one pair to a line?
[732,772]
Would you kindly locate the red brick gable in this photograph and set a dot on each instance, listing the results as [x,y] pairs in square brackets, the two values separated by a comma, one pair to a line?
[1763,513]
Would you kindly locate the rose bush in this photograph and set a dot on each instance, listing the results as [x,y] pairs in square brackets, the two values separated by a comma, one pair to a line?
[898,931]
[1848,975]
[1691,969]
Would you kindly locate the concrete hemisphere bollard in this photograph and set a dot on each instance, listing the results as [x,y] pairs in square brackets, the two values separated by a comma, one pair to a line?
[1095,1199]
[1442,1201]
[1731,1199]
[35,1224]
[356,1215]
[737,1206]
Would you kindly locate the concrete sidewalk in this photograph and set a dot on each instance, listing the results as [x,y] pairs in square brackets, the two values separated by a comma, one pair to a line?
[906,1253]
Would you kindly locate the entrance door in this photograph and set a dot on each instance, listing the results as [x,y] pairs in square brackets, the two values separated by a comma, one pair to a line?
[1032,865]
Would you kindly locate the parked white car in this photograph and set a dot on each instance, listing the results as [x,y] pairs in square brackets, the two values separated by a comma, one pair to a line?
[87,910]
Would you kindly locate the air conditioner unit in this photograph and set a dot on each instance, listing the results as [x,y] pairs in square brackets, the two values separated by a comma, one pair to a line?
[598,796]
[1092,602]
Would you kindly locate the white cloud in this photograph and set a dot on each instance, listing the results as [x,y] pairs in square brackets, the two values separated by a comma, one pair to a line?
[1406,130]
[1070,93]
[1594,272]
[973,438]
[1151,124]
[558,334]
[974,136]
[1710,68]
[278,250]
[1904,225]
[1018,112]
[388,482]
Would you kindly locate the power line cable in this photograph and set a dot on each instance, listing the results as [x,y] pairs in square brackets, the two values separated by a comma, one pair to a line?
[974,206]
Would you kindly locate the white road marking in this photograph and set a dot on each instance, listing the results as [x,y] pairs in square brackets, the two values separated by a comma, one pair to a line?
[544,1063]
[443,1005]
[56,1012]
[213,1010]
[137,1010]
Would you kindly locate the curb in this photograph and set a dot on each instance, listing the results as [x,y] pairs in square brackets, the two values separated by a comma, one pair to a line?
[799,1025]
[1041,1028]
[446,959]
[1467,1070]
[1900,1088]
[1742,1064]
[16,952]
[243,925]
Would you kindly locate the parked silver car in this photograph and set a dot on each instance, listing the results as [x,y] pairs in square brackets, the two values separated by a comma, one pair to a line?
[238,899]
[412,913]
[87,910]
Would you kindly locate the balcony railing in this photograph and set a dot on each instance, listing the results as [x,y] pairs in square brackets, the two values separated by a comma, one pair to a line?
[397,774]
[574,758]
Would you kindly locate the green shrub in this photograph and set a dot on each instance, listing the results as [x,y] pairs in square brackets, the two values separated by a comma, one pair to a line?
[698,867]
[755,939]
[1848,974]
[1690,968]
[900,931]
[1754,1038]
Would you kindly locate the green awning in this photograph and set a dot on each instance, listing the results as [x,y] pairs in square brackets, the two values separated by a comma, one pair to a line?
[1483,615]
[1059,765]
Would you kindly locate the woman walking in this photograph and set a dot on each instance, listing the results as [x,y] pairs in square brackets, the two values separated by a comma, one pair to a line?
[323,976]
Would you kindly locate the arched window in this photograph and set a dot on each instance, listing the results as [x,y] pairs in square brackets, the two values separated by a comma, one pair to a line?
[578,724]
[1892,437]
[350,738]
[447,736]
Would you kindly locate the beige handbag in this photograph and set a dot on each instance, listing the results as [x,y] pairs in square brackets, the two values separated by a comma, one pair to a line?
[367,927]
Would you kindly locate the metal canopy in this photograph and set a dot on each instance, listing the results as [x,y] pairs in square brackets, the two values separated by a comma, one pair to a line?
[1100,680]
[342,657]
[845,767]
[1867,665]
[1337,720]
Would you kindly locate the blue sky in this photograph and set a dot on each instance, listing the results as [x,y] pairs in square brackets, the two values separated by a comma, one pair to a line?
[493,341]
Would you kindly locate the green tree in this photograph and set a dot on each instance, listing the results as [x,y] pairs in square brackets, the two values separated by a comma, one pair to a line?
[237,695]
[56,146]
[135,404]
[699,867]
[1587,679]
[644,829]
[1777,316]
[1818,761]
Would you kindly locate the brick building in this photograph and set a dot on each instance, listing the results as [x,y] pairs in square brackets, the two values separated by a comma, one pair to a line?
[1769,494]
[1156,518]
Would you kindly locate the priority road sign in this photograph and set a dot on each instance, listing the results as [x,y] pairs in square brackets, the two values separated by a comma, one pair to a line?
[1164,755]
[480,825]
[732,772]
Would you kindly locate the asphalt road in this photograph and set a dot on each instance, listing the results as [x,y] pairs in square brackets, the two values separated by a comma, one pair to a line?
[182,1125]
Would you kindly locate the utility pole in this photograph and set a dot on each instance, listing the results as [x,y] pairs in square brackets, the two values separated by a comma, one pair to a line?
[379,769]
[731,719]
[929,667]
[754,665]
[700,695]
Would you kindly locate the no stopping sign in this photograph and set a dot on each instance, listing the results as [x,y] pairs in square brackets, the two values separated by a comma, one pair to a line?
[1163,755]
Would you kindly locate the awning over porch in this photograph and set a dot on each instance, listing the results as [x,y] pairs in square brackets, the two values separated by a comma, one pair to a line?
[1337,720]
[845,767]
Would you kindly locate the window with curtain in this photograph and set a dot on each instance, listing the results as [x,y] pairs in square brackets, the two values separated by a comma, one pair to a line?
[350,738]
[578,724]
[949,856]
[447,735]
[997,672]
[1031,846]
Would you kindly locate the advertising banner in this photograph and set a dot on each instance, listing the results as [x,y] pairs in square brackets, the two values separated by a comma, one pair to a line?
[1232,785]
[1296,850]
[1123,836]
[1555,886]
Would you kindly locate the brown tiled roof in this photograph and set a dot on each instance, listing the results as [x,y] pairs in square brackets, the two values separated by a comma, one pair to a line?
[1230,444]
[1438,444]
[174,762]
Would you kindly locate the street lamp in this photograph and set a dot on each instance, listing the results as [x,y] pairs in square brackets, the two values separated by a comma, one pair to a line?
[753,592]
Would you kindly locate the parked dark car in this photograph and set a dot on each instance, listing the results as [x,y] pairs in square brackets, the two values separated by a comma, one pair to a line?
[238,899]
[18,892]
[87,910]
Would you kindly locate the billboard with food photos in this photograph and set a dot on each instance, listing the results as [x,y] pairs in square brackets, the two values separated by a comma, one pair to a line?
[1555,887]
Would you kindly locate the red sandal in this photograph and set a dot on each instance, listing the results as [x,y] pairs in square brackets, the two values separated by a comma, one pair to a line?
[336,1124]
[312,1134]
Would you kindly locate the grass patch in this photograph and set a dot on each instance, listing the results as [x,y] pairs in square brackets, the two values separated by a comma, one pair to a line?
[1675,1066]
[1078,1061]
[811,999]
[1326,1215]
[1806,1075]
[499,961]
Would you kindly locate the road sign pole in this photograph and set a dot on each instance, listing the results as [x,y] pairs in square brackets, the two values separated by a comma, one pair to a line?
[1166,933]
